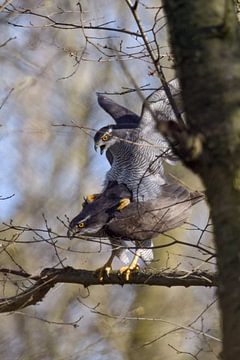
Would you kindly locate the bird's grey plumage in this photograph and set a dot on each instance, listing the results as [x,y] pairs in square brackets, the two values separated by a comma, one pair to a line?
[136,164]
[94,215]
[123,117]
[146,220]
[157,106]
[138,152]
[139,222]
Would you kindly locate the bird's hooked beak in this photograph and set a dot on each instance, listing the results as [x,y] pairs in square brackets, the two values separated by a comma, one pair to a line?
[101,147]
[70,233]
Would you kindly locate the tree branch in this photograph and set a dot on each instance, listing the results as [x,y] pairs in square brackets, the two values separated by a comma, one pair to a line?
[49,277]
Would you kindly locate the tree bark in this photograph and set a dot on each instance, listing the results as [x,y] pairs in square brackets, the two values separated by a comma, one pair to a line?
[204,36]
[49,277]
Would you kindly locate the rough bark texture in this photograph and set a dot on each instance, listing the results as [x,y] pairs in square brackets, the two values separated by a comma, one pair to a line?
[50,277]
[205,40]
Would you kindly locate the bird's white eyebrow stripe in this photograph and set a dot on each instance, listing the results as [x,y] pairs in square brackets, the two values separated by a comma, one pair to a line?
[85,219]
[109,131]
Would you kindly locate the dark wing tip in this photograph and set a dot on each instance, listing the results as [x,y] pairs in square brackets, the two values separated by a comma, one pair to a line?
[118,112]
[104,101]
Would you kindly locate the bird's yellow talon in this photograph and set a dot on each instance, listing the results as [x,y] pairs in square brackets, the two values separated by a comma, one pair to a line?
[105,270]
[123,203]
[127,270]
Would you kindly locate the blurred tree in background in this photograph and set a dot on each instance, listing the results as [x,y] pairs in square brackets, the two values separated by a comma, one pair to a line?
[54,57]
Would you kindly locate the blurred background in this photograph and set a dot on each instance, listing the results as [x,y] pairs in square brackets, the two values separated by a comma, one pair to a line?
[50,72]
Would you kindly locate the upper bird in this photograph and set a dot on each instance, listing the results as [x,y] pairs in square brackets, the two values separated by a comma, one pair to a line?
[135,148]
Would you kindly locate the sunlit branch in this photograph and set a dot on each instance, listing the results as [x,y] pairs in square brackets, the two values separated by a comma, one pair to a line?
[50,277]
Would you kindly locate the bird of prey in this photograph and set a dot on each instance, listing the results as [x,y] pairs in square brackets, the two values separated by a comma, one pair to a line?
[139,222]
[134,147]
[95,214]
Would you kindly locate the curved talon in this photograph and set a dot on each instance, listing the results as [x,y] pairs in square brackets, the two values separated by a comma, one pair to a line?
[127,270]
[105,270]
[90,198]
[123,203]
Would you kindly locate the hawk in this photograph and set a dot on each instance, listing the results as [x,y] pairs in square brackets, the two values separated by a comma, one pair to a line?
[136,151]
[134,147]
[137,223]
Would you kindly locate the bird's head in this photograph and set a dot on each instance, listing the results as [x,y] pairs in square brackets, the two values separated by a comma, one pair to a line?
[96,214]
[104,138]
[88,223]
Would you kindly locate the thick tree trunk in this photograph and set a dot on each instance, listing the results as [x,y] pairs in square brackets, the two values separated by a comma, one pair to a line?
[205,40]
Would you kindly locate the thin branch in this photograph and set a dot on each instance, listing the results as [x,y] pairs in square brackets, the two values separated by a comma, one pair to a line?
[68,26]
[7,197]
[5,4]
[179,327]
[5,100]
[74,323]
[155,61]
[7,41]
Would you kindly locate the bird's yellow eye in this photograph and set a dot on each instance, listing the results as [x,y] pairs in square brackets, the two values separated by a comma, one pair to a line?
[81,225]
[105,137]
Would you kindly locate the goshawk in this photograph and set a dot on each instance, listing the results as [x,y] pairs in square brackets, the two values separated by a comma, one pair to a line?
[135,149]
[137,223]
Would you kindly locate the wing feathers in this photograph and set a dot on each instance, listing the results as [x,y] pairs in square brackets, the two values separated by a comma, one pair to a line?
[145,220]
[118,112]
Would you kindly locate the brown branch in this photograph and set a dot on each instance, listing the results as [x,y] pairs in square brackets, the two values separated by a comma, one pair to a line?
[67,26]
[49,277]
[5,4]
[7,96]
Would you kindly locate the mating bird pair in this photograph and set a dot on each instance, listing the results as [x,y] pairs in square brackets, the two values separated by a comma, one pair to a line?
[138,202]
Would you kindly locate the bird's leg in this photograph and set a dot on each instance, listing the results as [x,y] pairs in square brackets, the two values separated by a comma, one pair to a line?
[106,268]
[90,198]
[126,270]
[123,203]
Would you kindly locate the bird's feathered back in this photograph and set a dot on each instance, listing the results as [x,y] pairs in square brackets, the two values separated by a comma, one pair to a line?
[139,220]
[137,152]
[146,220]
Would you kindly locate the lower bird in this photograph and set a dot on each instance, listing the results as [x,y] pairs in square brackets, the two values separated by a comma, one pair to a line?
[112,214]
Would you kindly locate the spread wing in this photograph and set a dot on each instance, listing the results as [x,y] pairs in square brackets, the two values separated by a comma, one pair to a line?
[145,220]
[157,106]
[118,112]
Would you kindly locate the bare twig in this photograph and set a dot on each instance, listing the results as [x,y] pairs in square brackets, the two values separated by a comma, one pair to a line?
[6,98]
[67,26]
[156,62]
